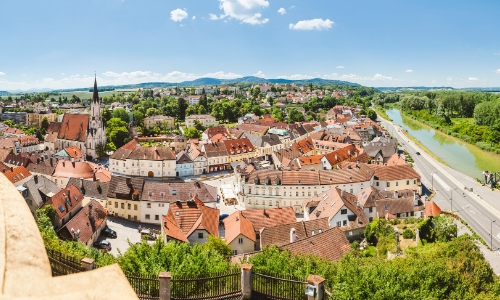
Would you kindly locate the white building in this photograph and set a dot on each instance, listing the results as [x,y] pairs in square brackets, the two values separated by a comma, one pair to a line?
[134,160]
[205,120]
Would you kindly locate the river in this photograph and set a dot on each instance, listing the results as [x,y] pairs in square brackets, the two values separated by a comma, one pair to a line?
[461,156]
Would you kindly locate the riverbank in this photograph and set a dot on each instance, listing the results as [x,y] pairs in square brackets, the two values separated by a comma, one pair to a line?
[381,112]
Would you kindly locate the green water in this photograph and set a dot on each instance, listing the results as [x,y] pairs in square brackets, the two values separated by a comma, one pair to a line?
[461,156]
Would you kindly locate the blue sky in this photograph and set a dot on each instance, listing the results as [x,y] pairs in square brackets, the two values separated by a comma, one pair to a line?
[60,43]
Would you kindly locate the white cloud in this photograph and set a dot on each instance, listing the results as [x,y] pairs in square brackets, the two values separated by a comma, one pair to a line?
[282,11]
[295,77]
[449,79]
[340,67]
[246,11]
[409,71]
[292,7]
[473,79]
[222,75]
[178,15]
[314,24]
[497,71]
[213,17]
[355,78]
[2,73]
[259,74]
[194,18]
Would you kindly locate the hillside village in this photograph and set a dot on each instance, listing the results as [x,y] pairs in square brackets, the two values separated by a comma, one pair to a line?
[259,182]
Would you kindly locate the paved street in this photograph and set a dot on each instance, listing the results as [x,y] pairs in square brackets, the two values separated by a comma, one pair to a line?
[480,208]
[125,231]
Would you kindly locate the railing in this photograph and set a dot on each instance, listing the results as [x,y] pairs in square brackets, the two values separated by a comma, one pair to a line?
[63,264]
[327,295]
[274,287]
[146,287]
[221,286]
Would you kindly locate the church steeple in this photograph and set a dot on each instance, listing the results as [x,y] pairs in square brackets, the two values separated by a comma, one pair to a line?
[95,96]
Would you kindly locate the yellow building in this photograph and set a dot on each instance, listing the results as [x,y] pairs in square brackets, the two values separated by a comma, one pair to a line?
[124,196]
[159,121]
[35,118]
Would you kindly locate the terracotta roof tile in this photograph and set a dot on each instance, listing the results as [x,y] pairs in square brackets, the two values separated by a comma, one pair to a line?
[74,127]
[91,189]
[331,244]
[242,145]
[14,174]
[85,222]
[431,209]
[237,224]
[74,152]
[304,177]
[280,235]
[269,217]
[173,191]
[66,200]
[122,187]
[394,172]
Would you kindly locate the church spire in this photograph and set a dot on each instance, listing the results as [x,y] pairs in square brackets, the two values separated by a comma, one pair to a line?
[95,97]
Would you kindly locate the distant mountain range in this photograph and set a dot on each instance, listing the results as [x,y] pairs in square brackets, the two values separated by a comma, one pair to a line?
[4,93]
[216,81]
[434,88]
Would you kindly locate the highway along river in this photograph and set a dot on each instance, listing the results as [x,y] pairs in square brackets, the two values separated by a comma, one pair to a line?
[461,156]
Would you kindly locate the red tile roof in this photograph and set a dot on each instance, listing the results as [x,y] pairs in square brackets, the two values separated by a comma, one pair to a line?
[394,172]
[237,224]
[74,127]
[86,224]
[280,235]
[79,169]
[14,174]
[239,145]
[74,152]
[269,217]
[66,200]
[431,209]
[331,244]
[194,215]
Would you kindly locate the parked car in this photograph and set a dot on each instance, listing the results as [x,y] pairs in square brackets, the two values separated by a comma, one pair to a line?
[148,234]
[418,153]
[222,217]
[103,244]
[109,232]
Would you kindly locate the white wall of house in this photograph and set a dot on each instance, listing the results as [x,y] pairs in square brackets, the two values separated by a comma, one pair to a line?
[134,167]
[242,244]
[339,217]
[186,169]
[151,211]
[397,185]
[198,236]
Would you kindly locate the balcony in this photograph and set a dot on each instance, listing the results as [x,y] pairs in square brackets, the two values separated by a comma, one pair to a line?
[25,270]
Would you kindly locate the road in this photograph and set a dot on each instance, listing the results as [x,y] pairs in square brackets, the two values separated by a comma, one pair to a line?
[480,209]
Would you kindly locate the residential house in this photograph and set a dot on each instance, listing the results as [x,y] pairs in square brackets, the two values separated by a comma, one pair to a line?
[158,196]
[65,170]
[342,210]
[199,159]
[217,156]
[86,226]
[91,190]
[193,99]
[190,221]
[124,194]
[253,129]
[291,232]
[16,175]
[67,202]
[132,159]
[396,160]
[39,190]
[239,150]
[71,153]
[381,152]
[401,207]
[159,121]
[239,234]
[273,188]
[205,120]
[399,177]
[184,165]
[35,118]
[179,144]
[212,132]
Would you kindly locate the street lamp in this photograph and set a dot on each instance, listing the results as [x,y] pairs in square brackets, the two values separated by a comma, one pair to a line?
[491,234]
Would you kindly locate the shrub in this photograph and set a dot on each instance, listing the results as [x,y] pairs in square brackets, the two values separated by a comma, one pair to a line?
[408,234]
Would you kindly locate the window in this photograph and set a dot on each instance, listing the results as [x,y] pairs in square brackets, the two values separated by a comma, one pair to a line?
[284,203]
[116,204]
[249,191]
[351,191]
[257,236]
[157,217]
[129,206]
[240,240]
[270,202]
[135,206]
[123,205]
[309,193]
[377,183]
[312,232]
[135,218]
[277,203]
[296,194]
[370,219]
[412,214]
[343,211]
[147,217]
[370,210]
[339,224]
[284,194]
[148,205]
[414,181]
[235,252]
[344,223]
[388,184]
[373,198]
[407,182]
[397,183]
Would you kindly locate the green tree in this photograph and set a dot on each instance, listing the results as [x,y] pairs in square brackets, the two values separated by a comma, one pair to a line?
[106,115]
[295,115]
[192,133]
[199,126]
[153,112]
[45,124]
[117,132]
[122,114]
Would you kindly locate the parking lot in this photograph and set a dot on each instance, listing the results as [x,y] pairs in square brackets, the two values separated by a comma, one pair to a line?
[126,231]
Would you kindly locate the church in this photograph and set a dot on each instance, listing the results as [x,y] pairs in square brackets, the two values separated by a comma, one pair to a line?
[84,131]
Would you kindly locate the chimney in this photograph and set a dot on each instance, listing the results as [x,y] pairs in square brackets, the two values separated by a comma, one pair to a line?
[36,179]
[97,181]
[91,215]
[415,199]
[293,236]
[342,194]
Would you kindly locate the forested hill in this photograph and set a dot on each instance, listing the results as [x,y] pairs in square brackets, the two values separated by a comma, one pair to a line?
[215,81]
[4,93]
